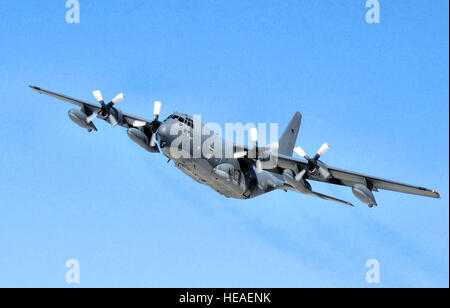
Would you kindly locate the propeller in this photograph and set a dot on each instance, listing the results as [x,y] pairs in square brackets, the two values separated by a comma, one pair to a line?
[313,163]
[300,175]
[105,112]
[155,123]
[254,139]
[156,110]
[240,154]
[153,140]
[105,109]
[258,150]
[150,129]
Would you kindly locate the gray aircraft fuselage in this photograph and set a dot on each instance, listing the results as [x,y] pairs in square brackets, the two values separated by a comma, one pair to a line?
[230,177]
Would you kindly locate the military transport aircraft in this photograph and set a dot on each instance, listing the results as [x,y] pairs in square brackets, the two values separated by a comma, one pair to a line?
[250,171]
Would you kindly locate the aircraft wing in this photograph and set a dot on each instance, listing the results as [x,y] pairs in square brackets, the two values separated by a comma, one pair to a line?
[349,178]
[129,119]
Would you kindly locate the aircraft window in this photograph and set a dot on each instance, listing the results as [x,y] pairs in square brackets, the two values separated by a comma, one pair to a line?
[187,121]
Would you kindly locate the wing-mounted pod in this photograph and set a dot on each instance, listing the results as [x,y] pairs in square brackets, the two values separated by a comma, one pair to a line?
[364,194]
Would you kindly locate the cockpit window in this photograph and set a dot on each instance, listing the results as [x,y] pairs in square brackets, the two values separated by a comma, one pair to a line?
[186,121]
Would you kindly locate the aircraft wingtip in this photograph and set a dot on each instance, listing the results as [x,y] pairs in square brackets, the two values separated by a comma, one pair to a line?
[34,88]
[436,194]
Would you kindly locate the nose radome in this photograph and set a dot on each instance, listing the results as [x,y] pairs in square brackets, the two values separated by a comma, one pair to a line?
[164,130]
[164,134]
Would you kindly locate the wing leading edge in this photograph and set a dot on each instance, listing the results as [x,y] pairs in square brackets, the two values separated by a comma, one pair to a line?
[129,119]
[349,178]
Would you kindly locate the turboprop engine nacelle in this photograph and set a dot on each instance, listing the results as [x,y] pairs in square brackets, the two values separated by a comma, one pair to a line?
[81,119]
[141,139]
[302,185]
[364,194]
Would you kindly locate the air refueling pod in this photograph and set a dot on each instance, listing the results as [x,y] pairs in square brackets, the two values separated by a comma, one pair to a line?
[364,194]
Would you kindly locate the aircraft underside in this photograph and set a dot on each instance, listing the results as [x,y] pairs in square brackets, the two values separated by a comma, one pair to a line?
[235,184]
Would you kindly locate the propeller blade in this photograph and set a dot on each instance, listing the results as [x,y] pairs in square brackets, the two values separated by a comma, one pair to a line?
[157,109]
[324,173]
[300,175]
[153,140]
[238,155]
[323,149]
[118,98]
[300,152]
[259,166]
[274,147]
[254,135]
[98,95]
[138,124]
[112,120]
[91,117]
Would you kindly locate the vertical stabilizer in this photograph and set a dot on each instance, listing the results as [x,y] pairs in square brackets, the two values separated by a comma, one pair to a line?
[289,138]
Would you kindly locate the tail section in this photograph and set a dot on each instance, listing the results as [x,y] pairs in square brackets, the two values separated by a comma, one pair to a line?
[289,138]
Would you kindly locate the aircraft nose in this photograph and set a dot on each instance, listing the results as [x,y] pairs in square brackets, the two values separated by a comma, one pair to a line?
[168,131]
[164,130]
[164,134]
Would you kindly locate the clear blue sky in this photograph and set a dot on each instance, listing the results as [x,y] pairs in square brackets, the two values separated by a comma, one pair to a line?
[377,93]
